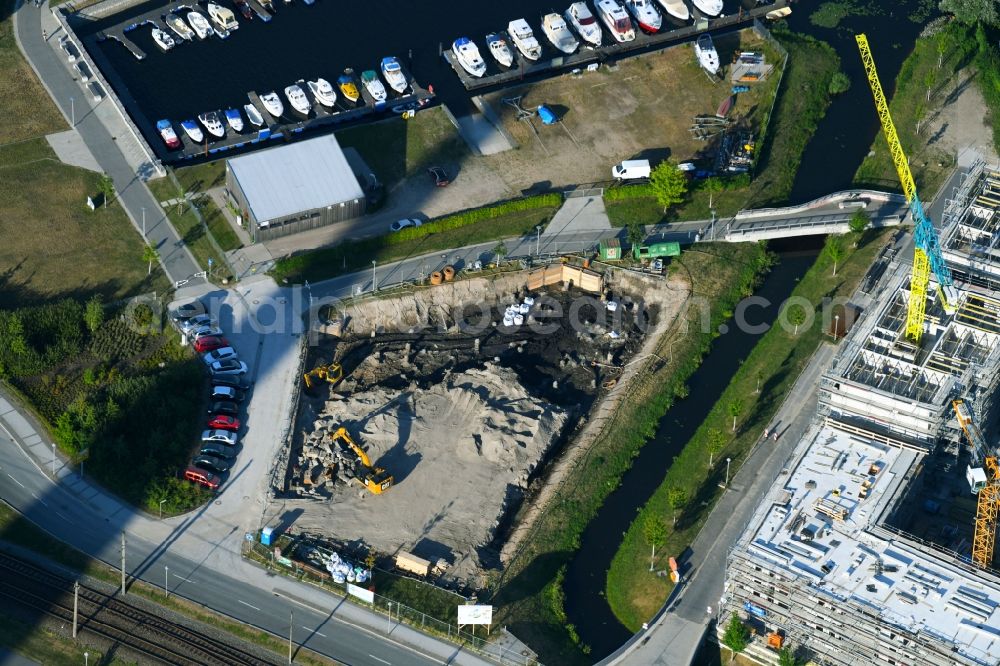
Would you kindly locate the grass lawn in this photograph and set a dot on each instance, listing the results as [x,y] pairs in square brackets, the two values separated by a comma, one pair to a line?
[45,646]
[53,245]
[189,228]
[633,592]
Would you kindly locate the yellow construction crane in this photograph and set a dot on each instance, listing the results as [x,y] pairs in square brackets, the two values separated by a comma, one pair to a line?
[926,248]
[331,374]
[375,479]
[985,482]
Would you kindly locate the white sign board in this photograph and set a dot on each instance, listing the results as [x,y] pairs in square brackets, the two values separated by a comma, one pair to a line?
[361,593]
[475,614]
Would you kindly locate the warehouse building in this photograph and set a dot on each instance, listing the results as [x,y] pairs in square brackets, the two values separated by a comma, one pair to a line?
[293,188]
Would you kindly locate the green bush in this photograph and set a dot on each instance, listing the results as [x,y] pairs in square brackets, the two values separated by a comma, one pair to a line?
[473,216]
[646,191]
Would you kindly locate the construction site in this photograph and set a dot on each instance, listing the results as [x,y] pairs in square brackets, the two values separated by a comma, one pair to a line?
[875,543]
[427,418]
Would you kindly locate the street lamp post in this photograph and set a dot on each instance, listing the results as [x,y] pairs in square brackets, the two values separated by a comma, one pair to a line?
[389,626]
[53,458]
[161,508]
[538,239]
[166,580]
[728,460]
[72,111]
[290,614]
[374,283]
[143,223]
[86,658]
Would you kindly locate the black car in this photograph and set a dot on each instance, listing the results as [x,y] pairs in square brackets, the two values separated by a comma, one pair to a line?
[212,464]
[227,393]
[236,381]
[217,450]
[187,311]
[224,407]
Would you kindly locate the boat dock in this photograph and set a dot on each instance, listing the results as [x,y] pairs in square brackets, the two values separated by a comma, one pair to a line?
[587,56]
[261,11]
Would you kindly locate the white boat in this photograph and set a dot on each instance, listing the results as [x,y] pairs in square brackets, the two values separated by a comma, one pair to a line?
[272,104]
[323,91]
[707,56]
[558,33]
[676,8]
[199,24]
[520,33]
[222,16]
[584,23]
[210,121]
[168,134]
[709,8]
[221,33]
[393,74]
[180,28]
[298,99]
[616,20]
[646,15]
[253,115]
[498,47]
[467,54]
[191,128]
[371,82]
[234,119]
[163,39]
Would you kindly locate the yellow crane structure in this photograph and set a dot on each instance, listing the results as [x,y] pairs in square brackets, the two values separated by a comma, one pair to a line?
[375,479]
[926,248]
[985,482]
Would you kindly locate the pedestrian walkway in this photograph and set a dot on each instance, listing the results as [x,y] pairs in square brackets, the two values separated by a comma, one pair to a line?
[579,214]
[70,149]
[481,136]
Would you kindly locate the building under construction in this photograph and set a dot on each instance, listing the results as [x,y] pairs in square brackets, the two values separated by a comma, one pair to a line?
[871,545]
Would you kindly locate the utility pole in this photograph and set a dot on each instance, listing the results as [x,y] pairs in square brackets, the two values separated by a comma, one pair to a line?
[76,599]
[123,562]
[143,223]
[374,283]
[290,614]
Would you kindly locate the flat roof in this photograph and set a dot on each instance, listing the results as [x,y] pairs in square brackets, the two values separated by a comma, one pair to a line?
[280,182]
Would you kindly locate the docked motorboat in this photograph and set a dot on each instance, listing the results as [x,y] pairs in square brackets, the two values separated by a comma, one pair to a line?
[245,11]
[498,47]
[520,33]
[371,82]
[298,99]
[234,119]
[709,8]
[221,16]
[467,54]
[707,56]
[168,134]
[220,32]
[348,85]
[323,91]
[616,20]
[393,74]
[272,104]
[253,115]
[676,8]
[646,15]
[191,128]
[558,33]
[199,24]
[210,121]
[578,15]
[180,28]
[163,39]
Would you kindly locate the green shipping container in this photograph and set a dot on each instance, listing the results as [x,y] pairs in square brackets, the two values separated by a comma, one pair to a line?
[611,250]
[656,250]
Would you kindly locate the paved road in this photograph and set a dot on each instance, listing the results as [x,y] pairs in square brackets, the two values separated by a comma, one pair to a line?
[132,191]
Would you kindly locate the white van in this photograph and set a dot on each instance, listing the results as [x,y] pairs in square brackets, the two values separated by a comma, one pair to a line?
[631,170]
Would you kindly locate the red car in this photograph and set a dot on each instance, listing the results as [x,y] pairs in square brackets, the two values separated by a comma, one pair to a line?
[209,343]
[202,477]
[224,422]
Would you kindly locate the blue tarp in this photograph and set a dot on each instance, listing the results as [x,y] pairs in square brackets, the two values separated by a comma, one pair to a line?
[545,113]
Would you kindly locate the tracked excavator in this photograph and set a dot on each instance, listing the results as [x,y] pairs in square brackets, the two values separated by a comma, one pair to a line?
[331,374]
[356,464]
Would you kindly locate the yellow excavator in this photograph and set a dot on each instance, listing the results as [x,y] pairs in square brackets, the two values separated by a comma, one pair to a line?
[331,374]
[375,479]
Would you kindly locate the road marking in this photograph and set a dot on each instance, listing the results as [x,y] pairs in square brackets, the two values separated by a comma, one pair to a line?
[15,480]
[62,516]
[246,604]
[43,503]
[313,631]
[377,659]
[186,580]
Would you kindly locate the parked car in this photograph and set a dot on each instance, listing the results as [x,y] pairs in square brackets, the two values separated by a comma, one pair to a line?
[230,393]
[202,477]
[217,450]
[196,321]
[186,311]
[224,422]
[224,407]
[223,436]
[399,225]
[220,354]
[439,176]
[235,381]
[229,367]
[204,331]
[209,342]
[213,465]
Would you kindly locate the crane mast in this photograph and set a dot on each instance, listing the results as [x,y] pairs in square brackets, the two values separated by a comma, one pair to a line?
[985,482]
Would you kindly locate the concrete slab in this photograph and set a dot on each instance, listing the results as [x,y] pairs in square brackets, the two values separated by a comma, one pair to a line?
[250,261]
[70,149]
[481,135]
[579,214]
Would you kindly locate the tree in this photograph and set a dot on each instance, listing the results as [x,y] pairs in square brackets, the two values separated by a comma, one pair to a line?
[676,498]
[839,83]
[669,184]
[858,224]
[919,113]
[796,316]
[930,78]
[107,187]
[93,314]
[716,440]
[636,233]
[943,42]
[712,185]
[149,255]
[973,11]
[500,251]
[735,409]
[787,658]
[736,637]
[834,249]
[760,378]
[656,534]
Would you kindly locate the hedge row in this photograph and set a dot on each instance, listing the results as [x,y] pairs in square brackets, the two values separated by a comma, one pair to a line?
[473,216]
[646,191]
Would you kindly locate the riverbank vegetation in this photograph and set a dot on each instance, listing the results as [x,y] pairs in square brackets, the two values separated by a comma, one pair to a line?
[750,401]
[530,595]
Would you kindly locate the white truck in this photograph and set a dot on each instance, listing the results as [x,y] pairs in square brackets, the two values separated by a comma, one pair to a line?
[631,170]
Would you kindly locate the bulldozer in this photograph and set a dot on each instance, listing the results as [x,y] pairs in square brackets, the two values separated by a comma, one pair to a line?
[331,374]
[356,464]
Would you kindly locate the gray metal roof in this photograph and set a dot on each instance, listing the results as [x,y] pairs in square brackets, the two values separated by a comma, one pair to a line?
[283,181]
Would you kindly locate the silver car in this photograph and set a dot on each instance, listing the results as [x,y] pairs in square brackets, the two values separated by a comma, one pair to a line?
[223,436]
[229,366]
[220,354]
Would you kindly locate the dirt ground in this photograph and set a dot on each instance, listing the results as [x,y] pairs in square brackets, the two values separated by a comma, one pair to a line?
[962,121]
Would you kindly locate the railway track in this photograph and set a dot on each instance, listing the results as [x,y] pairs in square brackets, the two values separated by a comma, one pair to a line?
[143,632]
